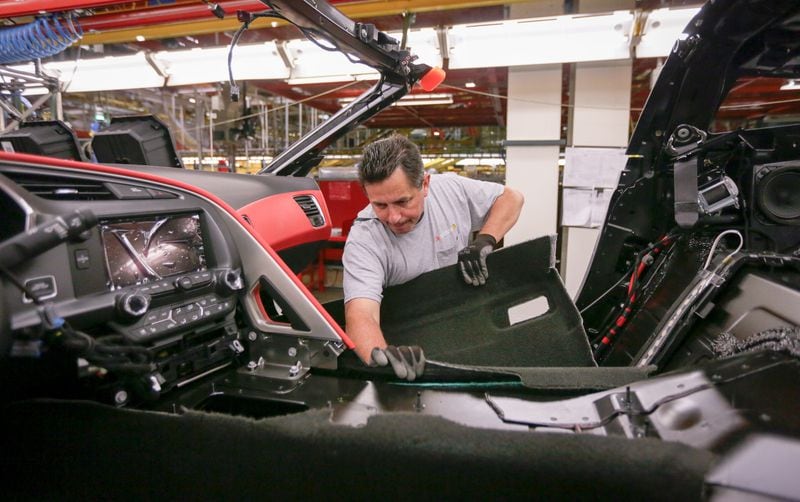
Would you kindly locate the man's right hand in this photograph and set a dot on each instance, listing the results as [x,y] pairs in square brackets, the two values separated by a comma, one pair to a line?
[472,259]
[408,361]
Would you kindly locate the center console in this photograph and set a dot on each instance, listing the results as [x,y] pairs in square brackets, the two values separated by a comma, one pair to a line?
[158,269]
[166,284]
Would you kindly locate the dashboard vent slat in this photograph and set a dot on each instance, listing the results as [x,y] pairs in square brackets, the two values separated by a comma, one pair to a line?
[61,187]
[310,207]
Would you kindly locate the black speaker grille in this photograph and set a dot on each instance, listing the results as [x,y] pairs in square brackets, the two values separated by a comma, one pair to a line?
[778,194]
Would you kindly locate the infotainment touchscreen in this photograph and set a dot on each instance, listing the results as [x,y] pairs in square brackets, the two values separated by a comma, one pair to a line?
[151,248]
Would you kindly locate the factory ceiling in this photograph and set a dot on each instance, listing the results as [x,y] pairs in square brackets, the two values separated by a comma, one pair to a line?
[478,95]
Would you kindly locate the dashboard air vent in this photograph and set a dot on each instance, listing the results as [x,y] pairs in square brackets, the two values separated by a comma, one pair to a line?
[61,187]
[309,206]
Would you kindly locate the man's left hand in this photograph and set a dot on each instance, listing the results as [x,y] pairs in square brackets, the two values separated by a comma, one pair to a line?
[472,259]
[407,361]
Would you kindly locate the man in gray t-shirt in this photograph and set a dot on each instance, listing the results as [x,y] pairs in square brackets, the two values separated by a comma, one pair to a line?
[415,223]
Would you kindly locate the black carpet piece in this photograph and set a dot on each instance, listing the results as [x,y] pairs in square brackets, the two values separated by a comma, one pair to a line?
[463,324]
[578,379]
[78,451]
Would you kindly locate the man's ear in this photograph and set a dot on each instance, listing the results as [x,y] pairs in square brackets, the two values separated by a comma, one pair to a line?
[426,180]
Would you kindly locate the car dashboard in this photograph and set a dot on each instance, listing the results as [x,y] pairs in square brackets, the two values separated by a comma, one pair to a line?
[160,286]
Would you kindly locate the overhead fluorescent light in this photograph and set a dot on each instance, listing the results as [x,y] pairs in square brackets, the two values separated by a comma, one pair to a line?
[424,43]
[324,79]
[328,79]
[415,100]
[425,99]
[203,65]
[107,74]
[662,29]
[533,41]
[312,65]
[560,39]
[791,85]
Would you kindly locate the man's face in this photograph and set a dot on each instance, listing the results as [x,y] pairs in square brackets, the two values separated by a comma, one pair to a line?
[397,203]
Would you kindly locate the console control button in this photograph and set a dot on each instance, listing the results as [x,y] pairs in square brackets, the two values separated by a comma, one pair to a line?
[43,288]
[160,287]
[133,304]
[166,319]
[82,259]
[207,300]
[156,316]
[184,283]
[232,280]
[201,278]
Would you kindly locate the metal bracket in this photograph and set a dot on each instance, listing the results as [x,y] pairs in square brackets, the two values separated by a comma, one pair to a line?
[285,53]
[443,42]
[288,357]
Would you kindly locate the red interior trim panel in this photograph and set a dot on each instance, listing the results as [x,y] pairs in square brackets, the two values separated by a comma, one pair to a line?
[290,219]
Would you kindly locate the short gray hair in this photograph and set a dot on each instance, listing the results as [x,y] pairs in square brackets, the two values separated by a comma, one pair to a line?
[382,157]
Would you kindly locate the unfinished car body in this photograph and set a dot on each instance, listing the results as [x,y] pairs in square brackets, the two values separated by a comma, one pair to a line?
[156,341]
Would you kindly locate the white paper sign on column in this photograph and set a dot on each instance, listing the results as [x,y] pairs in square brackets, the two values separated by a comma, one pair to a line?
[590,177]
[593,167]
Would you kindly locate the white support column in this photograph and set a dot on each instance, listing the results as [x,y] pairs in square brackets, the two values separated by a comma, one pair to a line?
[600,118]
[534,118]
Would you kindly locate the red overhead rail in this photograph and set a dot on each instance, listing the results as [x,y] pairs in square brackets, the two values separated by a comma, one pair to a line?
[12,8]
[165,14]
[129,18]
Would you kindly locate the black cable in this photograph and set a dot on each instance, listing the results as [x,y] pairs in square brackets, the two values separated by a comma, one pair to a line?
[128,358]
[236,36]
[246,18]
[610,332]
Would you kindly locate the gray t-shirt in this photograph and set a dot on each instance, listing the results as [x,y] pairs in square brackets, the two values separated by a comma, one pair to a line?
[375,258]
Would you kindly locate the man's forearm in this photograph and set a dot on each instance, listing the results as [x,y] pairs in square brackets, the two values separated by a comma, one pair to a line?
[366,335]
[503,214]
[363,328]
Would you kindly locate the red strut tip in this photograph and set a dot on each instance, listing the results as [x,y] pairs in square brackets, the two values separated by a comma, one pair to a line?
[432,79]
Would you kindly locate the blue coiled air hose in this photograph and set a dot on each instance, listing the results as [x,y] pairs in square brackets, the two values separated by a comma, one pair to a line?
[46,36]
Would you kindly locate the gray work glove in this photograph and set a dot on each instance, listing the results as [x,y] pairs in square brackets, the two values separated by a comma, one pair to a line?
[408,361]
[472,259]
